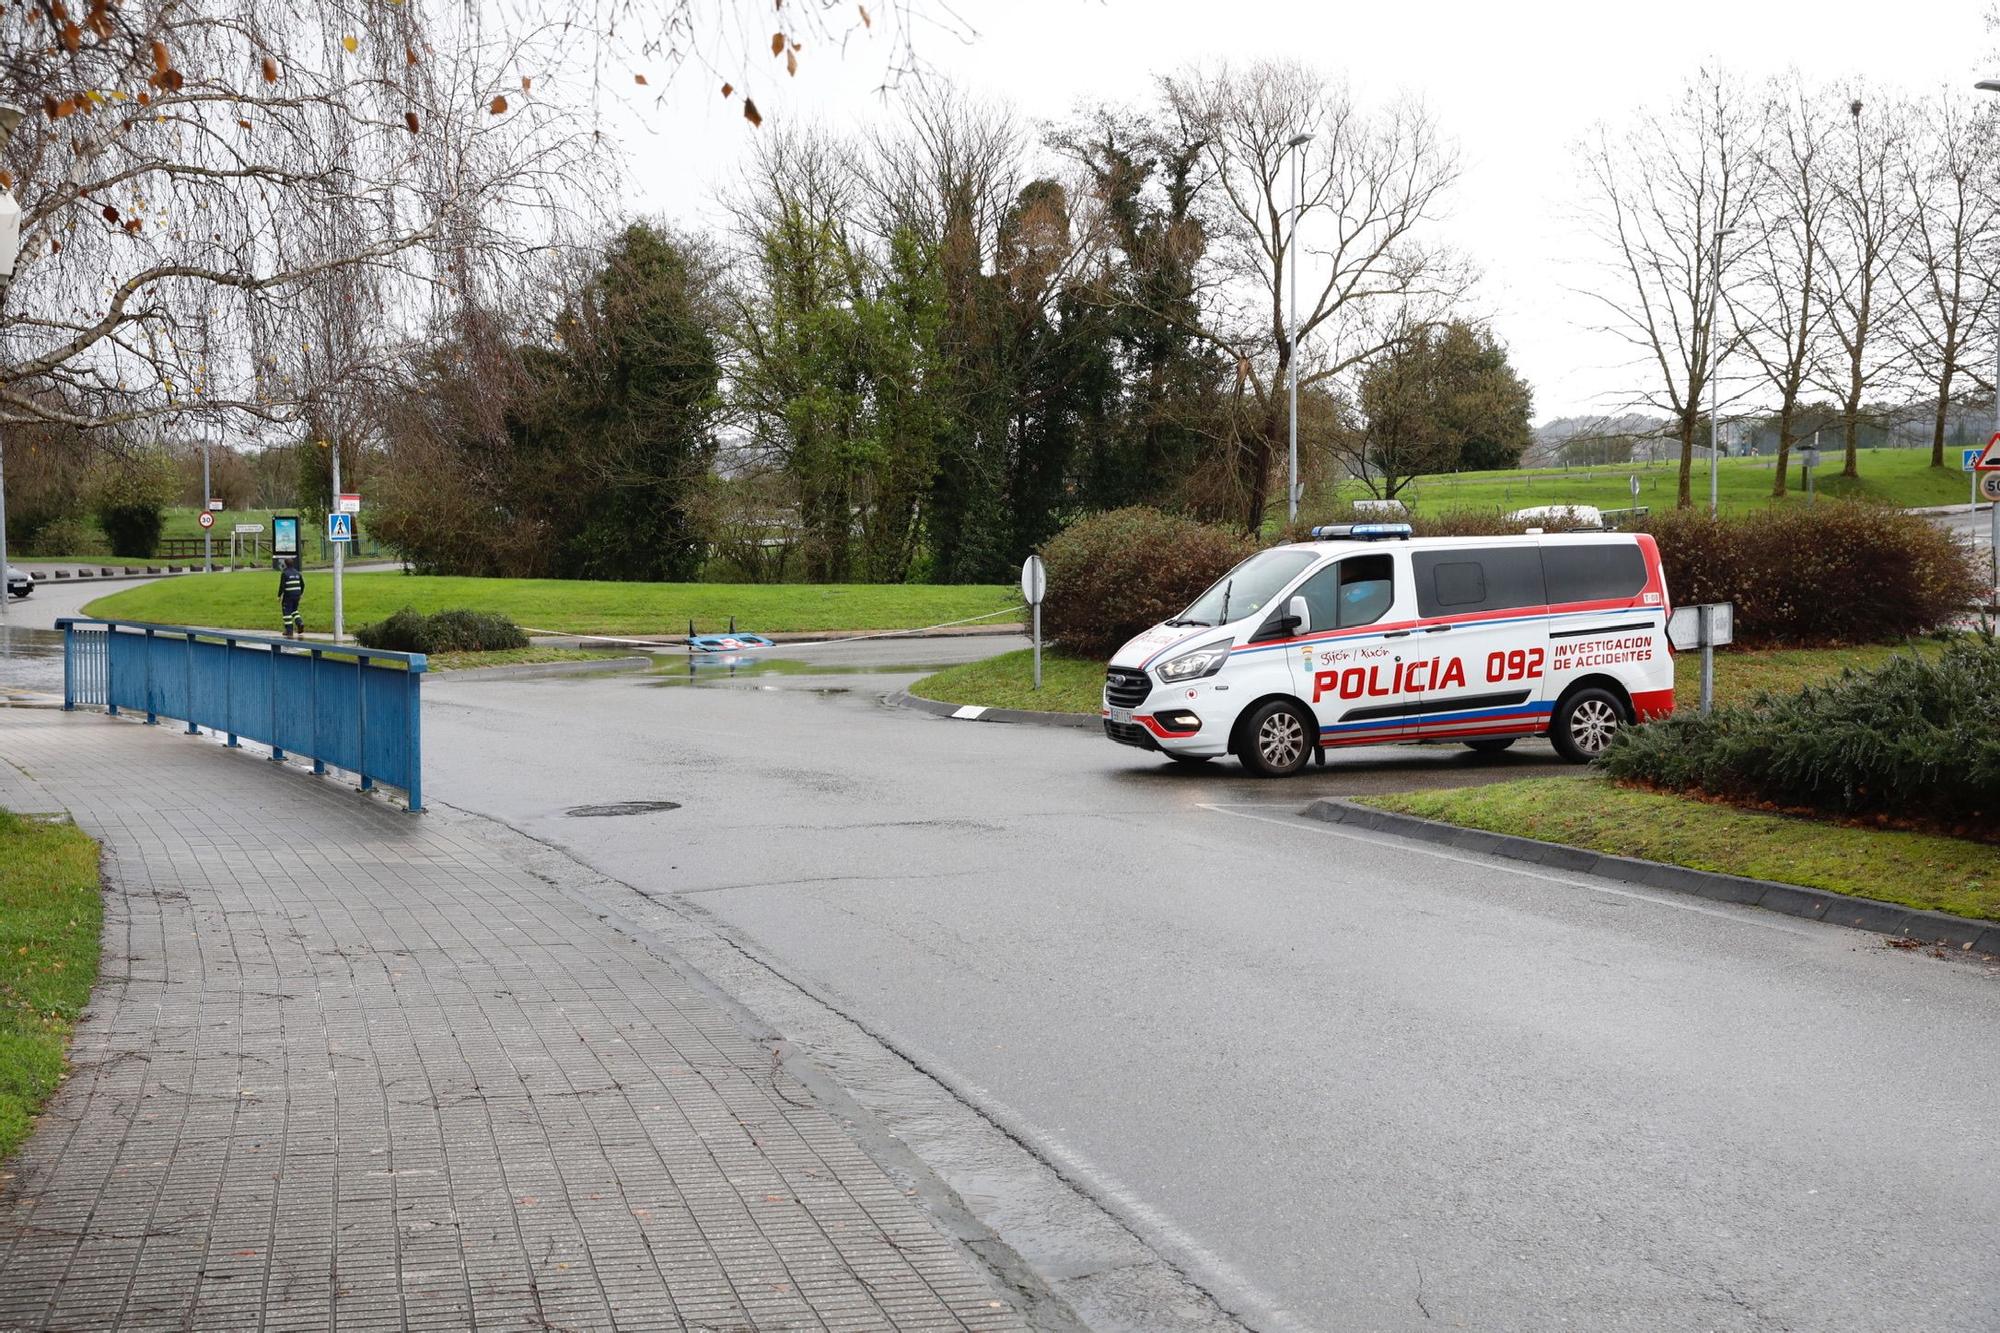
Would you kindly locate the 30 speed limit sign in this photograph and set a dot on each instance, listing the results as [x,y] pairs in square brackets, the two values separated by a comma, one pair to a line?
[206,519]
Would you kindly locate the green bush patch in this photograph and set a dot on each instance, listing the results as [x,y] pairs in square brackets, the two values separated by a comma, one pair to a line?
[50,914]
[1923,870]
[1915,739]
[1112,575]
[457,631]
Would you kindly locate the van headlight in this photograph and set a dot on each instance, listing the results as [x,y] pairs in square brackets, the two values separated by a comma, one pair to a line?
[1191,666]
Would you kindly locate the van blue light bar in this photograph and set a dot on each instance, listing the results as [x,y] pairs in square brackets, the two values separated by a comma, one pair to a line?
[1362,532]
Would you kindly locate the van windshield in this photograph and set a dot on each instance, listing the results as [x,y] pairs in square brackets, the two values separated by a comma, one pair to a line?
[1248,588]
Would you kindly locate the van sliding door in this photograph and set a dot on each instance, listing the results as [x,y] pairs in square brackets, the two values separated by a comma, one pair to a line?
[1480,651]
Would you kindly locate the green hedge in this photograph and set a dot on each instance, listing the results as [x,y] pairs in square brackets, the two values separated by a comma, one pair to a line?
[1114,574]
[411,631]
[1916,738]
[1819,575]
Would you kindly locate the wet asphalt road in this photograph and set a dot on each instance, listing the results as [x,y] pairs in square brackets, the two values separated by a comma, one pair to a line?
[1341,1081]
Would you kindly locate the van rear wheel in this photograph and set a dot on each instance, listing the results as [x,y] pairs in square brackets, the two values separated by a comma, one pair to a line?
[1584,724]
[1277,740]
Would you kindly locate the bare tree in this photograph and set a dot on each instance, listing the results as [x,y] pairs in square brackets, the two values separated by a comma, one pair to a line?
[1868,221]
[1670,197]
[1946,272]
[1371,183]
[1778,308]
[189,173]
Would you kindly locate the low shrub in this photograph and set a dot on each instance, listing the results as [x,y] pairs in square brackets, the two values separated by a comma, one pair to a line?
[410,631]
[1818,575]
[1113,574]
[66,536]
[1917,738]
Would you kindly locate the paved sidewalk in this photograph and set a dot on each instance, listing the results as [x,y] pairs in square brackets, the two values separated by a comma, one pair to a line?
[346,1067]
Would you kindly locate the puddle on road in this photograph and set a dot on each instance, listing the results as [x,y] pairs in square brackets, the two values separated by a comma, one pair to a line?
[30,659]
[717,668]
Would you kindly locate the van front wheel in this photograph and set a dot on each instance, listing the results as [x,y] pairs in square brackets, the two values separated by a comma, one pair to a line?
[1584,724]
[1277,740]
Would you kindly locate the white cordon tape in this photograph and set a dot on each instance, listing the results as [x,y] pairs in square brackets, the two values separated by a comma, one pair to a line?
[657,644]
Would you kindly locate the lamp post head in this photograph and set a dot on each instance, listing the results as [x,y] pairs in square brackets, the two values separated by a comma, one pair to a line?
[1298,140]
[1988,85]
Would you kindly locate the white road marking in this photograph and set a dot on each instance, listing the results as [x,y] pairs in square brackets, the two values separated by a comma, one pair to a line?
[970,711]
[1743,914]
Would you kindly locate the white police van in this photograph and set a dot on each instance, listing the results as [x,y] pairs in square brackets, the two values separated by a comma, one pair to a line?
[1368,636]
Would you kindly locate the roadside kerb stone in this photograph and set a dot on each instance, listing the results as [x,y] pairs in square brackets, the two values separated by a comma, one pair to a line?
[349,1068]
[1790,899]
[978,713]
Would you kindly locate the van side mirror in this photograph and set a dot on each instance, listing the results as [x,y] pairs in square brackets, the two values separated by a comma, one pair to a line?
[1299,616]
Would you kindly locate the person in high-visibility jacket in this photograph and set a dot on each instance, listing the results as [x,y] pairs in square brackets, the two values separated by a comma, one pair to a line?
[291,587]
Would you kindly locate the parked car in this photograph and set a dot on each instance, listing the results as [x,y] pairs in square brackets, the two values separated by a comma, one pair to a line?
[19,584]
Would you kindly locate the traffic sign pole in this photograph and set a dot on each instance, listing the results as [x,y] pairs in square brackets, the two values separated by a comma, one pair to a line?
[1034,583]
[339,554]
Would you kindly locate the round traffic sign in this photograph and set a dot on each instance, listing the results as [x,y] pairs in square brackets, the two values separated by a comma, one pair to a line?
[1989,486]
[1034,580]
[206,519]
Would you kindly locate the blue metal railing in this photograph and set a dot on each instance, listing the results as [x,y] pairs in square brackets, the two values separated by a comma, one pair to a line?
[359,709]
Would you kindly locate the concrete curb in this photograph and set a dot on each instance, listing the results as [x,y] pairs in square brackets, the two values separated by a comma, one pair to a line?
[1790,899]
[976,713]
[529,670]
[1950,509]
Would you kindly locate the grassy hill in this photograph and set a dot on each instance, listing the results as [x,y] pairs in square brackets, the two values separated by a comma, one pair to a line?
[1894,476]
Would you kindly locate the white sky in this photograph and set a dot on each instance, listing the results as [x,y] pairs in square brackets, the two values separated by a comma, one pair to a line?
[1516,85]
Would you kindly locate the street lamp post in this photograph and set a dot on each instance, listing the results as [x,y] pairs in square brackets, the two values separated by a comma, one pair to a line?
[1714,366]
[10,250]
[1296,142]
[1993,86]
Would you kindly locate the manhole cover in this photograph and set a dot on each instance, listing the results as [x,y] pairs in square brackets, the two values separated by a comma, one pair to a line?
[620,808]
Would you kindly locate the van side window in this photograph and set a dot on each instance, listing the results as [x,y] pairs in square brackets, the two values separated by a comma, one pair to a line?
[1367,587]
[1493,578]
[1594,572]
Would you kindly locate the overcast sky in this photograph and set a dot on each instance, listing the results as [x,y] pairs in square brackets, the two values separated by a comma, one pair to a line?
[1516,85]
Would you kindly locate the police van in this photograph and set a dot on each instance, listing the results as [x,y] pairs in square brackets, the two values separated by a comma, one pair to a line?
[1369,636]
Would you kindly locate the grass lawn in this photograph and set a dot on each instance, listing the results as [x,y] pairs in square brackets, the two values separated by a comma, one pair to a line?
[50,912]
[1898,476]
[1073,684]
[249,601]
[1739,676]
[1069,684]
[1912,869]
[531,656]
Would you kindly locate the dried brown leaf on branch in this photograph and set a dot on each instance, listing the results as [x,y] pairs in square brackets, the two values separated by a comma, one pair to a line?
[527,83]
[410,120]
[728,88]
[777,43]
[498,106]
[160,62]
[792,62]
[639,79]
[351,43]
[751,113]
[866,22]
[270,70]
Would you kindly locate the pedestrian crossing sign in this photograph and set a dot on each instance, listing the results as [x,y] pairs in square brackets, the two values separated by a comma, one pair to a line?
[340,527]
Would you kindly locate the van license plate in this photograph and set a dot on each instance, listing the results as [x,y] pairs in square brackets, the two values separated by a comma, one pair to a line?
[1122,716]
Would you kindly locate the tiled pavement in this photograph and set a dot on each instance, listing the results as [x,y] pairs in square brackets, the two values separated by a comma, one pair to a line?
[350,1068]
